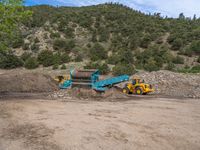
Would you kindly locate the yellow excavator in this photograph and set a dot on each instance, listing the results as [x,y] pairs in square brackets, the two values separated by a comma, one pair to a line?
[138,87]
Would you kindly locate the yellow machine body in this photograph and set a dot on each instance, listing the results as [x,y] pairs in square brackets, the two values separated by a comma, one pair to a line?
[62,79]
[138,87]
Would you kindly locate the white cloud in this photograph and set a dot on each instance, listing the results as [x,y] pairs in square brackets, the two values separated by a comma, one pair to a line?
[170,8]
[175,7]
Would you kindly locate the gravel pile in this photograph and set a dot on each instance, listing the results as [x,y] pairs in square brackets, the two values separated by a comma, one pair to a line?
[173,84]
[87,94]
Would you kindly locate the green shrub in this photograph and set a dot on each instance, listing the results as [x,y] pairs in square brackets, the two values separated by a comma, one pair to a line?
[171,38]
[60,58]
[188,51]
[46,36]
[36,40]
[196,69]
[9,61]
[113,59]
[125,56]
[198,60]
[46,58]
[31,63]
[54,35]
[55,67]
[64,45]
[25,46]
[104,36]
[70,45]
[97,52]
[195,46]
[155,56]
[134,42]
[69,32]
[151,65]
[25,56]
[65,58]
[145,41]
[103,68]
[170,66]
[94,37]
[63,67]
[178,60]
[167,56]
[57,58]
[18,42]
[121,69]
[59,44]
[187,67]
[177,44]
[78,58]
[35,47]
[183,70]
[89,45]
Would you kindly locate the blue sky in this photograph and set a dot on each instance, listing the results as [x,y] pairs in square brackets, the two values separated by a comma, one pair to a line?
[171,8]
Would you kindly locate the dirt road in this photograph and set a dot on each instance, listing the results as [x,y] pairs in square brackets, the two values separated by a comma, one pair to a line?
[90,125]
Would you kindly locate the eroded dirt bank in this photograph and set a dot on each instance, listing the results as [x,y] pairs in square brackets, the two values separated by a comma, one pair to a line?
[87,125]
[19,82]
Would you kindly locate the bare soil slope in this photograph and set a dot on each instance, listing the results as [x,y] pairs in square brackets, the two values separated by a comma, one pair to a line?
[26,82]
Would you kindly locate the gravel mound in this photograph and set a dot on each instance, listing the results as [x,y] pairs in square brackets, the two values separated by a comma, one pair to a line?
[88,94]
[27,82]
[173,84]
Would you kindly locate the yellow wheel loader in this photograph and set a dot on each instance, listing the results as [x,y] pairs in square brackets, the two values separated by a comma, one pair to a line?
[62,79]
[138,87]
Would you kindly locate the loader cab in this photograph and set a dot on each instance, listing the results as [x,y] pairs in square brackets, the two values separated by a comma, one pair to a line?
[137,81]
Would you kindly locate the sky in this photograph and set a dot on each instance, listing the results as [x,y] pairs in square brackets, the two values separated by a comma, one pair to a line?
[170,8]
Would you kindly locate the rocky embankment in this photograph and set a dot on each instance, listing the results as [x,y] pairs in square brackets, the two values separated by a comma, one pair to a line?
[173,84]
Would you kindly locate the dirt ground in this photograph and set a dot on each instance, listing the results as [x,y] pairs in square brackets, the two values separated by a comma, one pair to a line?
[145,124]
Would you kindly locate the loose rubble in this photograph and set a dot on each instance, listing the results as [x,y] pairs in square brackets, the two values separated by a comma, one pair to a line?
[173,84]
[111,94]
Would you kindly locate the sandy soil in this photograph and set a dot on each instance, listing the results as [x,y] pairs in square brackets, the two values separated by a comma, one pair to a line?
[159,123]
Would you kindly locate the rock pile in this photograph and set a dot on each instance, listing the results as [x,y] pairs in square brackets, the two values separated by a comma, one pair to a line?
[87,94]
[173,84]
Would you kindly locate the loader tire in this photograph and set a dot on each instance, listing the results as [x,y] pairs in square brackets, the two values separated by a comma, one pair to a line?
[126,90]
[139,91]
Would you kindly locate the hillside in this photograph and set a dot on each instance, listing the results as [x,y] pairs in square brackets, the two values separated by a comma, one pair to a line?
[105,36]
